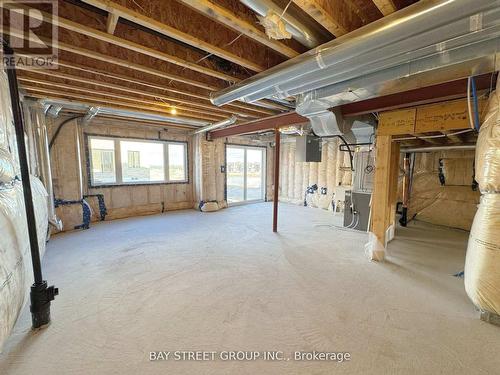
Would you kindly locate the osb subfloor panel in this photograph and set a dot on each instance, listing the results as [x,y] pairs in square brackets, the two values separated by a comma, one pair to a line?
[223,281]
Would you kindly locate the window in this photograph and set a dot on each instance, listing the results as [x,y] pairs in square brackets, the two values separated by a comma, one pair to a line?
[177,162]
[103,161]
[118,161]
[134,160]
[147,164]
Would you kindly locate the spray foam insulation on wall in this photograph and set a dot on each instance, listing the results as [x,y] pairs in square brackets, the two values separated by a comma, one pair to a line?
[296,177]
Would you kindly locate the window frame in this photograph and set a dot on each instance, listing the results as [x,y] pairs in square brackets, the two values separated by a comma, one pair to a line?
[118,162]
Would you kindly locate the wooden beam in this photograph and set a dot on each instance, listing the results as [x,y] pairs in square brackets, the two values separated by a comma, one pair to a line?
[229,19]
[320,15]
[111,22]
[247,107]
[159,27]
[438,117]
[113,60]
[208,108]
[438,141]
[204,114]
[393,187]
[124,43]
[382,196]
[101,101]
[140,68]
[386,7]
[267,123]
[455,138]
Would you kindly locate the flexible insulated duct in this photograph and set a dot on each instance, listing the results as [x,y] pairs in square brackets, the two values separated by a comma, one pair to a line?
[435,32]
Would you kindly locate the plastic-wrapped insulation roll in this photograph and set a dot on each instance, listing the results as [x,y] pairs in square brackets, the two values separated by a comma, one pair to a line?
[291,170]
[482,263]
[488,148]
[298,178]
[482,266]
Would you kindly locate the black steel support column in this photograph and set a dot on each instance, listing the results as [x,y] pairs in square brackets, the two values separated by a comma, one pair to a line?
[41,295]
[406,190]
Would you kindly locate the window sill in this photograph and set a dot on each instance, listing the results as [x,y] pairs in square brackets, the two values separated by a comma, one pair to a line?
[129,184]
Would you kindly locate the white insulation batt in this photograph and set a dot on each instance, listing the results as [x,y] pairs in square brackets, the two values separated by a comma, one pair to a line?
[16,274]
[333,170]
[452,204]
[482,264]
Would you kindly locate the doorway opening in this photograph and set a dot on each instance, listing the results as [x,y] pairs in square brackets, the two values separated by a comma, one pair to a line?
[245,174]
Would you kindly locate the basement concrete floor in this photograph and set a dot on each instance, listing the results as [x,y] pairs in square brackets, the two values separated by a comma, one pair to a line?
[224,282]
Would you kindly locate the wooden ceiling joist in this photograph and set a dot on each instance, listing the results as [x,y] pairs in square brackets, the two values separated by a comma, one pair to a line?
[111,23]
[159,27]
[386,7]
[229,19]
[317,12]
[181,111]
[38,92]
[209,109]
[249,108]
[118,107]
[196,112]
[132,46]
[94,71]
[140,68]
[116,61]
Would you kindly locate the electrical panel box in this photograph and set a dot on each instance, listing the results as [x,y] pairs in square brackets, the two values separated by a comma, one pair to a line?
[308,149]
[357,210]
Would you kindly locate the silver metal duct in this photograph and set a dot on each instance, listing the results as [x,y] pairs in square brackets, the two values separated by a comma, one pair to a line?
[45,169]
[422,37]
[299,31]
[437,148]
[91,113]
[53,110]
[129,114]
[229,121]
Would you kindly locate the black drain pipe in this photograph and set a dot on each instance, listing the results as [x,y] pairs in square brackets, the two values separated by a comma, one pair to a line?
[40,295]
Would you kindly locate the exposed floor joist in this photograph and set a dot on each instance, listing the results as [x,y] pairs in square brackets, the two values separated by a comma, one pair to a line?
[229,19]
[152,24]
[120,62]
[43,93]
[187,111]
[208,108]
[326,20]
[111,23]
[132,46]
[94,71]
[386,7]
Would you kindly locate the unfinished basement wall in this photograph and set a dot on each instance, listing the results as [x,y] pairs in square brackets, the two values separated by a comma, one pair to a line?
[210,156]
[16,272]
[453,204]
[333,170]
[121,201]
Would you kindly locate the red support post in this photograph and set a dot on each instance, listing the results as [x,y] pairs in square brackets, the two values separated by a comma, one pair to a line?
[277,140]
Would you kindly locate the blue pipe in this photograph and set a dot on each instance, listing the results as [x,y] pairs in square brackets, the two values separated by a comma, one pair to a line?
[476,105]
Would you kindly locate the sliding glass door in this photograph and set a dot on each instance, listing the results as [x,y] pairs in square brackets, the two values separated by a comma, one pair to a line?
[245,174]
